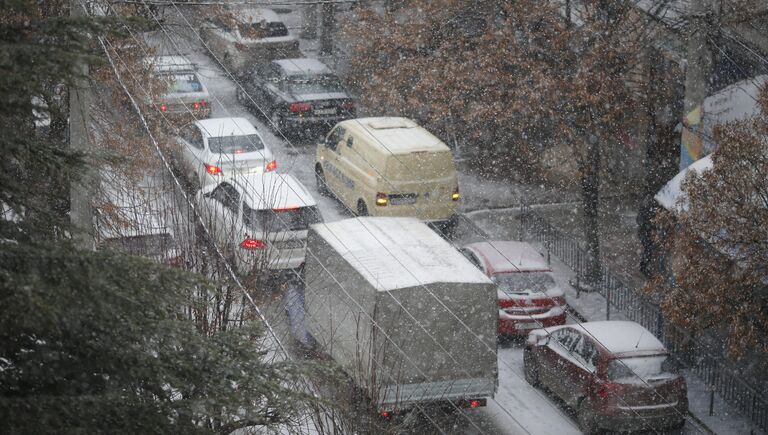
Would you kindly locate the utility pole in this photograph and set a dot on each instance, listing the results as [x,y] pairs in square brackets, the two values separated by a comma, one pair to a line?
[329,24]
[81,210]
[697,72]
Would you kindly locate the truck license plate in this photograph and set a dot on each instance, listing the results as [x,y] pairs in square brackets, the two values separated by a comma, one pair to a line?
[325,111]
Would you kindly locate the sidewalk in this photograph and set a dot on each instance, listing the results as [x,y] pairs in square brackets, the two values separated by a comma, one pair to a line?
[592,307]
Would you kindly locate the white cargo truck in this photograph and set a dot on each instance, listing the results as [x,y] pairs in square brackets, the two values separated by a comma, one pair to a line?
[404,314]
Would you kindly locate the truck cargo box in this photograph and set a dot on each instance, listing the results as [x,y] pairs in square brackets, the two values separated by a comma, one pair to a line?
[401,311]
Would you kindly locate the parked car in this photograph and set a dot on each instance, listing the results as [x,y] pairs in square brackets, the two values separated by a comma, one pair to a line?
[241,35]
[297,94]
[212,149]
[260,220]
[529,297]
[184,94]
[615,374]
[389,167]
[135,217]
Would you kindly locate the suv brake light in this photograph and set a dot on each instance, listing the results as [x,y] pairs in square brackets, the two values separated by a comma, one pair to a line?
[253,244]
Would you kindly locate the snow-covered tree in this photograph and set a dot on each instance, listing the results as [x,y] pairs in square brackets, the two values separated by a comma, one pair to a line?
[719,252]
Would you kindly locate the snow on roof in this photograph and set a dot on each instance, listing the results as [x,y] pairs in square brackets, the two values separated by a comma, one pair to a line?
[671,196]
[303,66]
[619,336]
[169,63]
[509,256]
[218,127]
[256,15]
[734,103]
[393,253]
[396,135]
[271,190]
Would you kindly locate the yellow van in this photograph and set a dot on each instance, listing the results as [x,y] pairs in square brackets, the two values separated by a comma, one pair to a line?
[389,167]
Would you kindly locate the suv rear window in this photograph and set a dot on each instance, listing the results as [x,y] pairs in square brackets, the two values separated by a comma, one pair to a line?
[642,369]
[259,30]
[295,219]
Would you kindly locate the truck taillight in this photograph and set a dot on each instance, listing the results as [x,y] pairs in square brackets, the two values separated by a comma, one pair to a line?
[253,244]
[381,199]
[213,170]
[271,166]
[455,196]
[300,107]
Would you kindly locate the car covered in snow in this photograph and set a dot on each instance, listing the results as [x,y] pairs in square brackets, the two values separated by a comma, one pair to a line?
[260,220]
[299,93]
[528,295]
[240,35]
[211,149]
[615,374]
[183,93]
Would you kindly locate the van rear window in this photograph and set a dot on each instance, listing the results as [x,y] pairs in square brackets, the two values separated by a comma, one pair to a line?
[294,219]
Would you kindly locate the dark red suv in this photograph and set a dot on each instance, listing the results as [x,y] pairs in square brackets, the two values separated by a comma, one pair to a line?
[615,374]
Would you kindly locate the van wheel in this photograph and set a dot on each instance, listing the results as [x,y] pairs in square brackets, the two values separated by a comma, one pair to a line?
[322,186]
[587,422]
[362,209]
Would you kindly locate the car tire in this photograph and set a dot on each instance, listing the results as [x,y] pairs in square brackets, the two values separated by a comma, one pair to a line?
[362,209]
[530,369]
[586,416]
[322,186]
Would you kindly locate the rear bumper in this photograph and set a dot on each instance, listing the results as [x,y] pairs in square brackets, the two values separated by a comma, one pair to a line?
[272,259]
[407,396]
[296,122]
[522,325]
[643,417]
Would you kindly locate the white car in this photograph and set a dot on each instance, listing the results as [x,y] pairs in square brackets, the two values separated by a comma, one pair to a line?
[260,221]
[241,35]
[212,149]
[186,95]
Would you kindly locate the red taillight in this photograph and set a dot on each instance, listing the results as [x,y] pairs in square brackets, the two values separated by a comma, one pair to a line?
[610,390]
[300,107]
[455,196]
[381,199]
[196,105]
[348,105]
[213,170]
[474,404]
[203,103]
[253,244]
[163,108]
[385,414]
[271,166]
[239,46]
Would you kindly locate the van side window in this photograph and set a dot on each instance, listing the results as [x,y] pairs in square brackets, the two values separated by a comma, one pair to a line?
[334,138]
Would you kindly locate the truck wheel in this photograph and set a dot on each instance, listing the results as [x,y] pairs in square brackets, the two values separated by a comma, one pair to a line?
[322,186]
[362,209]
[530,368]
[587,422]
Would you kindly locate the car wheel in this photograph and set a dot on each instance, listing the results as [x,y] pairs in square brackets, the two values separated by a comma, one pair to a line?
[362,209]
[530,368]
[587,422]
[322,186]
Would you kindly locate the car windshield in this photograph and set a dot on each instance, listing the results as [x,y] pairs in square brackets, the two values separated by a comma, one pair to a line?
[235,144]
[314,84]
[262,30]
[641,369]
[182,83]
[293,219]
[524,282]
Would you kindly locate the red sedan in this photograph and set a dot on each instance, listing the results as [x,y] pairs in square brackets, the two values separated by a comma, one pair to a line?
[529,298]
